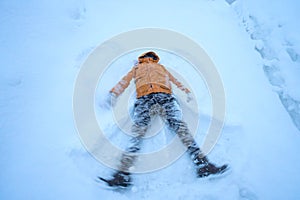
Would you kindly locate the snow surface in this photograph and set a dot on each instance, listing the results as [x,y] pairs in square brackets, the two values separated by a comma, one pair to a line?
[255,46]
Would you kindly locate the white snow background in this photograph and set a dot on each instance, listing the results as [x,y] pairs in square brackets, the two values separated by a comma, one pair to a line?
[255,46]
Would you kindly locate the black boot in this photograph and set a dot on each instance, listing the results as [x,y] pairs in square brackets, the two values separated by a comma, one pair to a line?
[120,179]
[205,168]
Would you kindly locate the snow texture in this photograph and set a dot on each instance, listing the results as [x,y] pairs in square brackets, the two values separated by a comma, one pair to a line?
[230,1]
[254,44]
[273,33]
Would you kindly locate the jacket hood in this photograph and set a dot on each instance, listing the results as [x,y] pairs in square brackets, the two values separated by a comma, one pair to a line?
[149,56]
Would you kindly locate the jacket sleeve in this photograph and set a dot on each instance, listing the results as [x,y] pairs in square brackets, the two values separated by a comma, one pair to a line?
[177,83]
[123,84]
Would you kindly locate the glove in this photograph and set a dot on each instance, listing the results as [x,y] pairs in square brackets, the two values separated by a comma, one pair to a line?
[189,97]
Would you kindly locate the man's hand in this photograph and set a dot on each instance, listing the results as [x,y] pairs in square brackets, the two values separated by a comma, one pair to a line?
[189,97]
[111,100]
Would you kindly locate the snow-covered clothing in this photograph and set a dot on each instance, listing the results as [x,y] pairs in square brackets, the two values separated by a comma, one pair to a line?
[166,106]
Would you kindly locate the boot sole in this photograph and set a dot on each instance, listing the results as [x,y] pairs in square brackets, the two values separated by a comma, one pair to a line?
[226,171]
[105,184]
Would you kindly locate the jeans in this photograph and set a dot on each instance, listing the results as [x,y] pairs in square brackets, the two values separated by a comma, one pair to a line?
[146,106]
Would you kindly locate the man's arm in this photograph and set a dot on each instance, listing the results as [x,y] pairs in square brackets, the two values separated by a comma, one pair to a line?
[177,83]
[123,84]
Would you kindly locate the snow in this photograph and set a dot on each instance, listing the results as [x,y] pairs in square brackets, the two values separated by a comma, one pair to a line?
[255,46]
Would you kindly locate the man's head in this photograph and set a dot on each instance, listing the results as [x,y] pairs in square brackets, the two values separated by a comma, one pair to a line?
[150,55]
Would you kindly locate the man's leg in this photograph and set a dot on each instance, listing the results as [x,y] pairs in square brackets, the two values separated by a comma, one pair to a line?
[129,156]
[172,115]
[173,118]
[141,120]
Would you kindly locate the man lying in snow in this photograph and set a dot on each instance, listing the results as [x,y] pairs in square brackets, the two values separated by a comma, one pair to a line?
[153,87]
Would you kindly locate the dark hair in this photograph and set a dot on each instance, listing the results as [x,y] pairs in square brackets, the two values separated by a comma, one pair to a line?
[150,55]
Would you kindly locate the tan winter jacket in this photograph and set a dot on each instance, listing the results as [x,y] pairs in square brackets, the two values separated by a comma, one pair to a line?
[149,77]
